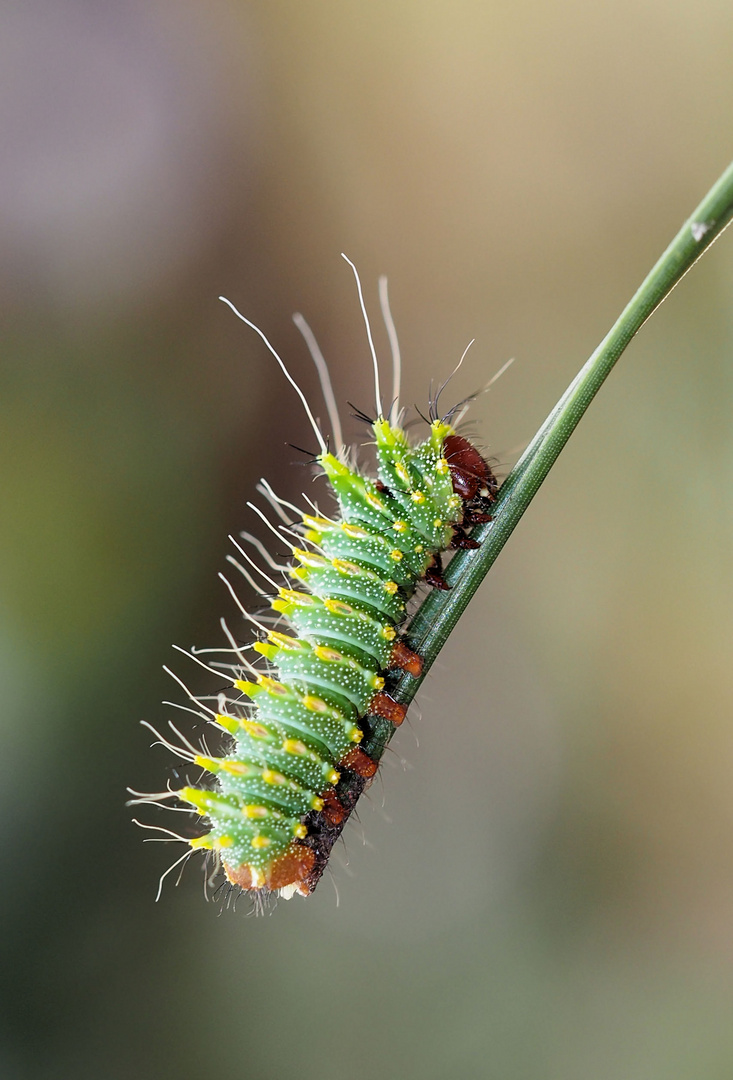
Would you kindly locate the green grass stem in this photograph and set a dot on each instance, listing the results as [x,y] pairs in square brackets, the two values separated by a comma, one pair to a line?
[439,613]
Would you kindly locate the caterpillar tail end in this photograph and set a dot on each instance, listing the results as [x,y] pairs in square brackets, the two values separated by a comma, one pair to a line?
[288,874]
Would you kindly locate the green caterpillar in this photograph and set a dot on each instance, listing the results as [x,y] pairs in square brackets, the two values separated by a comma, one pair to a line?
[295,724]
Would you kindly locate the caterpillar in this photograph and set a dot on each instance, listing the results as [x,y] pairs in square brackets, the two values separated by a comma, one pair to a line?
[274,802]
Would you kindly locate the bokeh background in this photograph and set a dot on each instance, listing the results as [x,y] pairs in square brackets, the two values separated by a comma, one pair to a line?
[541,881]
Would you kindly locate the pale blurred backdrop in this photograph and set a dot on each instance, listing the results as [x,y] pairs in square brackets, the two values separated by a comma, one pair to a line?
[541,881]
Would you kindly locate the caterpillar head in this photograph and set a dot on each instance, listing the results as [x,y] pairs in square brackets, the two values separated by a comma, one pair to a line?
[470,473]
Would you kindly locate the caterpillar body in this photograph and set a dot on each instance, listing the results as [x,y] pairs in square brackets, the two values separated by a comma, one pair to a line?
[275,801]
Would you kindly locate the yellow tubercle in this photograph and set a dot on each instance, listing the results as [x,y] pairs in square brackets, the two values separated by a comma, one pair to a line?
[260,841]
[389,633]
[309,558]
[271,777]
[246,687]
[338,607]
[345,567]
[391,587]
[333,777]
[418,497]
[266,649]
[400,526]
[389,435]
[223,842]
[333,467]
[317,803]
[356,735]
[255,811]
[196,797]
[292,596]
[257,731]
[377,682]
[295,746]
[374,502]
[324,653]
[315,704]
[319,523]
[440,431]
[236,768]
[284,641]
[211,764]
[300,831]
[354,531]
[204,843]
[396,555]
[229,723]
[273,686]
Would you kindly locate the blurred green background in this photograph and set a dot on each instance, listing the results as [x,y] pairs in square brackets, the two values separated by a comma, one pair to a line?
[541,881]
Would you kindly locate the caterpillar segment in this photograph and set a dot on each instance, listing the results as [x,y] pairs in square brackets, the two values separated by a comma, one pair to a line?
[275,803]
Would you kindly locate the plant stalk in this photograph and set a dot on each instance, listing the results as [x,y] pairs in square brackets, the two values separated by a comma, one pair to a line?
[439,613]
